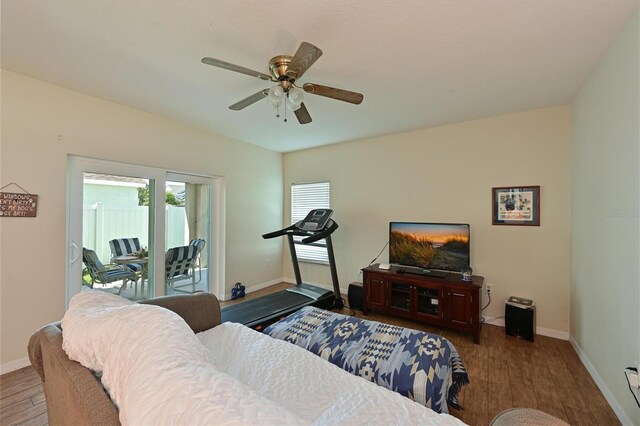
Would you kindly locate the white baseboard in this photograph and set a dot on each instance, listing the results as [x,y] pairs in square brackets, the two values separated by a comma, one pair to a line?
[494,321]
[549,332]
[622,416]
[258,287]
[14,365]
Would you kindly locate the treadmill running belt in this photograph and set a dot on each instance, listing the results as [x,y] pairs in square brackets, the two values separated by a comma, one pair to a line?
[254,310]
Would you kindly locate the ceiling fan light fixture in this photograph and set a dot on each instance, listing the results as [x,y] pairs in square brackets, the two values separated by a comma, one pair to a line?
[296,96]
[276,94]
[293,107]
[275,102]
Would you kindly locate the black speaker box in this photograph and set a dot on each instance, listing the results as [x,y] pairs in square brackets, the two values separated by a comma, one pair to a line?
[355,296]
[520,321]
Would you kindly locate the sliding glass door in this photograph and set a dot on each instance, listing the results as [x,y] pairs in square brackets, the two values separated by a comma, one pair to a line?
[117,237]
[142,232]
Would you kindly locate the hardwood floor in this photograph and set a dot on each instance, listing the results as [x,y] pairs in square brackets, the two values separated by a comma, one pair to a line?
[22,398]
[505,372]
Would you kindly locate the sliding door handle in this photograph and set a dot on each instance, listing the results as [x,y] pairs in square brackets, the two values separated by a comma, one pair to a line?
[74,253]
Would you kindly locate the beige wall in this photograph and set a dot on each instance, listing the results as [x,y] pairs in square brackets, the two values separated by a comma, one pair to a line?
[605,290]
[445,174]
[42,124]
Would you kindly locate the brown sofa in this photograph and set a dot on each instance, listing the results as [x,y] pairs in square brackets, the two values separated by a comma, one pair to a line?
[73,393]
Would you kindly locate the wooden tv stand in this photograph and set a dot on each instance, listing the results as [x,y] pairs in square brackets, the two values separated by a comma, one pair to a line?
[447,302]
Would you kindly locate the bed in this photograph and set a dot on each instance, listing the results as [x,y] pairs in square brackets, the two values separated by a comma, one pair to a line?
[421,366]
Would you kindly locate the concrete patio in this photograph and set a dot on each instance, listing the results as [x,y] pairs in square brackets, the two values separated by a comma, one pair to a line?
[130,291]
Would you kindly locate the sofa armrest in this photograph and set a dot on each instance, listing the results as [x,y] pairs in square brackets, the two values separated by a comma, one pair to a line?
[34,349]
[201,311]
[74,396]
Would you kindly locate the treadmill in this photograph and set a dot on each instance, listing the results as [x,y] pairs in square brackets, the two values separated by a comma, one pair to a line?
[263,311]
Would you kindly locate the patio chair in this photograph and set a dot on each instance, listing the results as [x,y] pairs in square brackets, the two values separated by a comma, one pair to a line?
[125,246]
[106,274]
[199,243]
[180,265]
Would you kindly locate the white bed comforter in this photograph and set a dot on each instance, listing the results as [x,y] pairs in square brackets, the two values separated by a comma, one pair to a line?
[157,371]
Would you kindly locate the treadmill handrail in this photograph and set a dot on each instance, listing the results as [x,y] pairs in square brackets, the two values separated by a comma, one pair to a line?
[320,235]
[279,233]
[311,235]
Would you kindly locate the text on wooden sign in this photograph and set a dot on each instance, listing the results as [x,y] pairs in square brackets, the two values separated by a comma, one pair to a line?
[18,205]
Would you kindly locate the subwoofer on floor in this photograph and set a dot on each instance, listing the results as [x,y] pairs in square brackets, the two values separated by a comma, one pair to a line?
[520,318]
[355,295]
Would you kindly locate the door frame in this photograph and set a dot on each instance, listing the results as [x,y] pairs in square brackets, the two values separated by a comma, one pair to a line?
[77,166]
[215,268]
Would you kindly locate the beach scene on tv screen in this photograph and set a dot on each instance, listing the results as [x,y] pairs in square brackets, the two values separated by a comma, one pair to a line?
[432,246]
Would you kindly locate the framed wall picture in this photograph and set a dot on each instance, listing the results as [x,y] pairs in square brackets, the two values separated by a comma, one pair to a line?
[516,205]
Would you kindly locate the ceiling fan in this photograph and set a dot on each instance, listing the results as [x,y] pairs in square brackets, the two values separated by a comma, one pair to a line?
[285,70]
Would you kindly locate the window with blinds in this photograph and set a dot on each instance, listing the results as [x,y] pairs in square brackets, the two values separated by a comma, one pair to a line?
[306,197]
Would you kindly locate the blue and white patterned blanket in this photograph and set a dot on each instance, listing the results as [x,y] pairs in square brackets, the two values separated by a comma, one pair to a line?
[424,367]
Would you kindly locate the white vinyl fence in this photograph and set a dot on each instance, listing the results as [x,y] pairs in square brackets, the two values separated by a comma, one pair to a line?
[101,223]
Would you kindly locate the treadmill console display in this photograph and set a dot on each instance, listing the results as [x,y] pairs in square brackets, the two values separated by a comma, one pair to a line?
[315,220]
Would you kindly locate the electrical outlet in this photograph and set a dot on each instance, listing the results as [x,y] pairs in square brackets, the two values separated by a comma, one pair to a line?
[489,289]
[267,263]
[632,377]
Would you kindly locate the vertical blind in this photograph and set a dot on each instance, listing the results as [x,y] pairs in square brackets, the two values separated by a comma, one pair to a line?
[306,197]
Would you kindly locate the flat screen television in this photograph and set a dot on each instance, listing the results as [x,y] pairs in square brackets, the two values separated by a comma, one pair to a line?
[439,246]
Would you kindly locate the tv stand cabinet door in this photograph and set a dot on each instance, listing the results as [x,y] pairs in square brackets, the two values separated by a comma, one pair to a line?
[429,303]
[459,303]
[375,289]
[400,296]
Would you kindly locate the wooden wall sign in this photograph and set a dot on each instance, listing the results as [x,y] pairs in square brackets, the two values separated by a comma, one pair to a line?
[18,205]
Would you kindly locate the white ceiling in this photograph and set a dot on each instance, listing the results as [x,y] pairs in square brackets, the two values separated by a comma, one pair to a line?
[419,63]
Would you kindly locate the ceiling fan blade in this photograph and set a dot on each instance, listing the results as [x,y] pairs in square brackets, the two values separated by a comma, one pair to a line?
[305,56]
[303,115]
[249,100]
[237,68]
[333,93]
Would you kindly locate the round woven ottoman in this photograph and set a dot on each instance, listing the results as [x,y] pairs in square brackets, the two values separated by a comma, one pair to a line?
[525,417]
